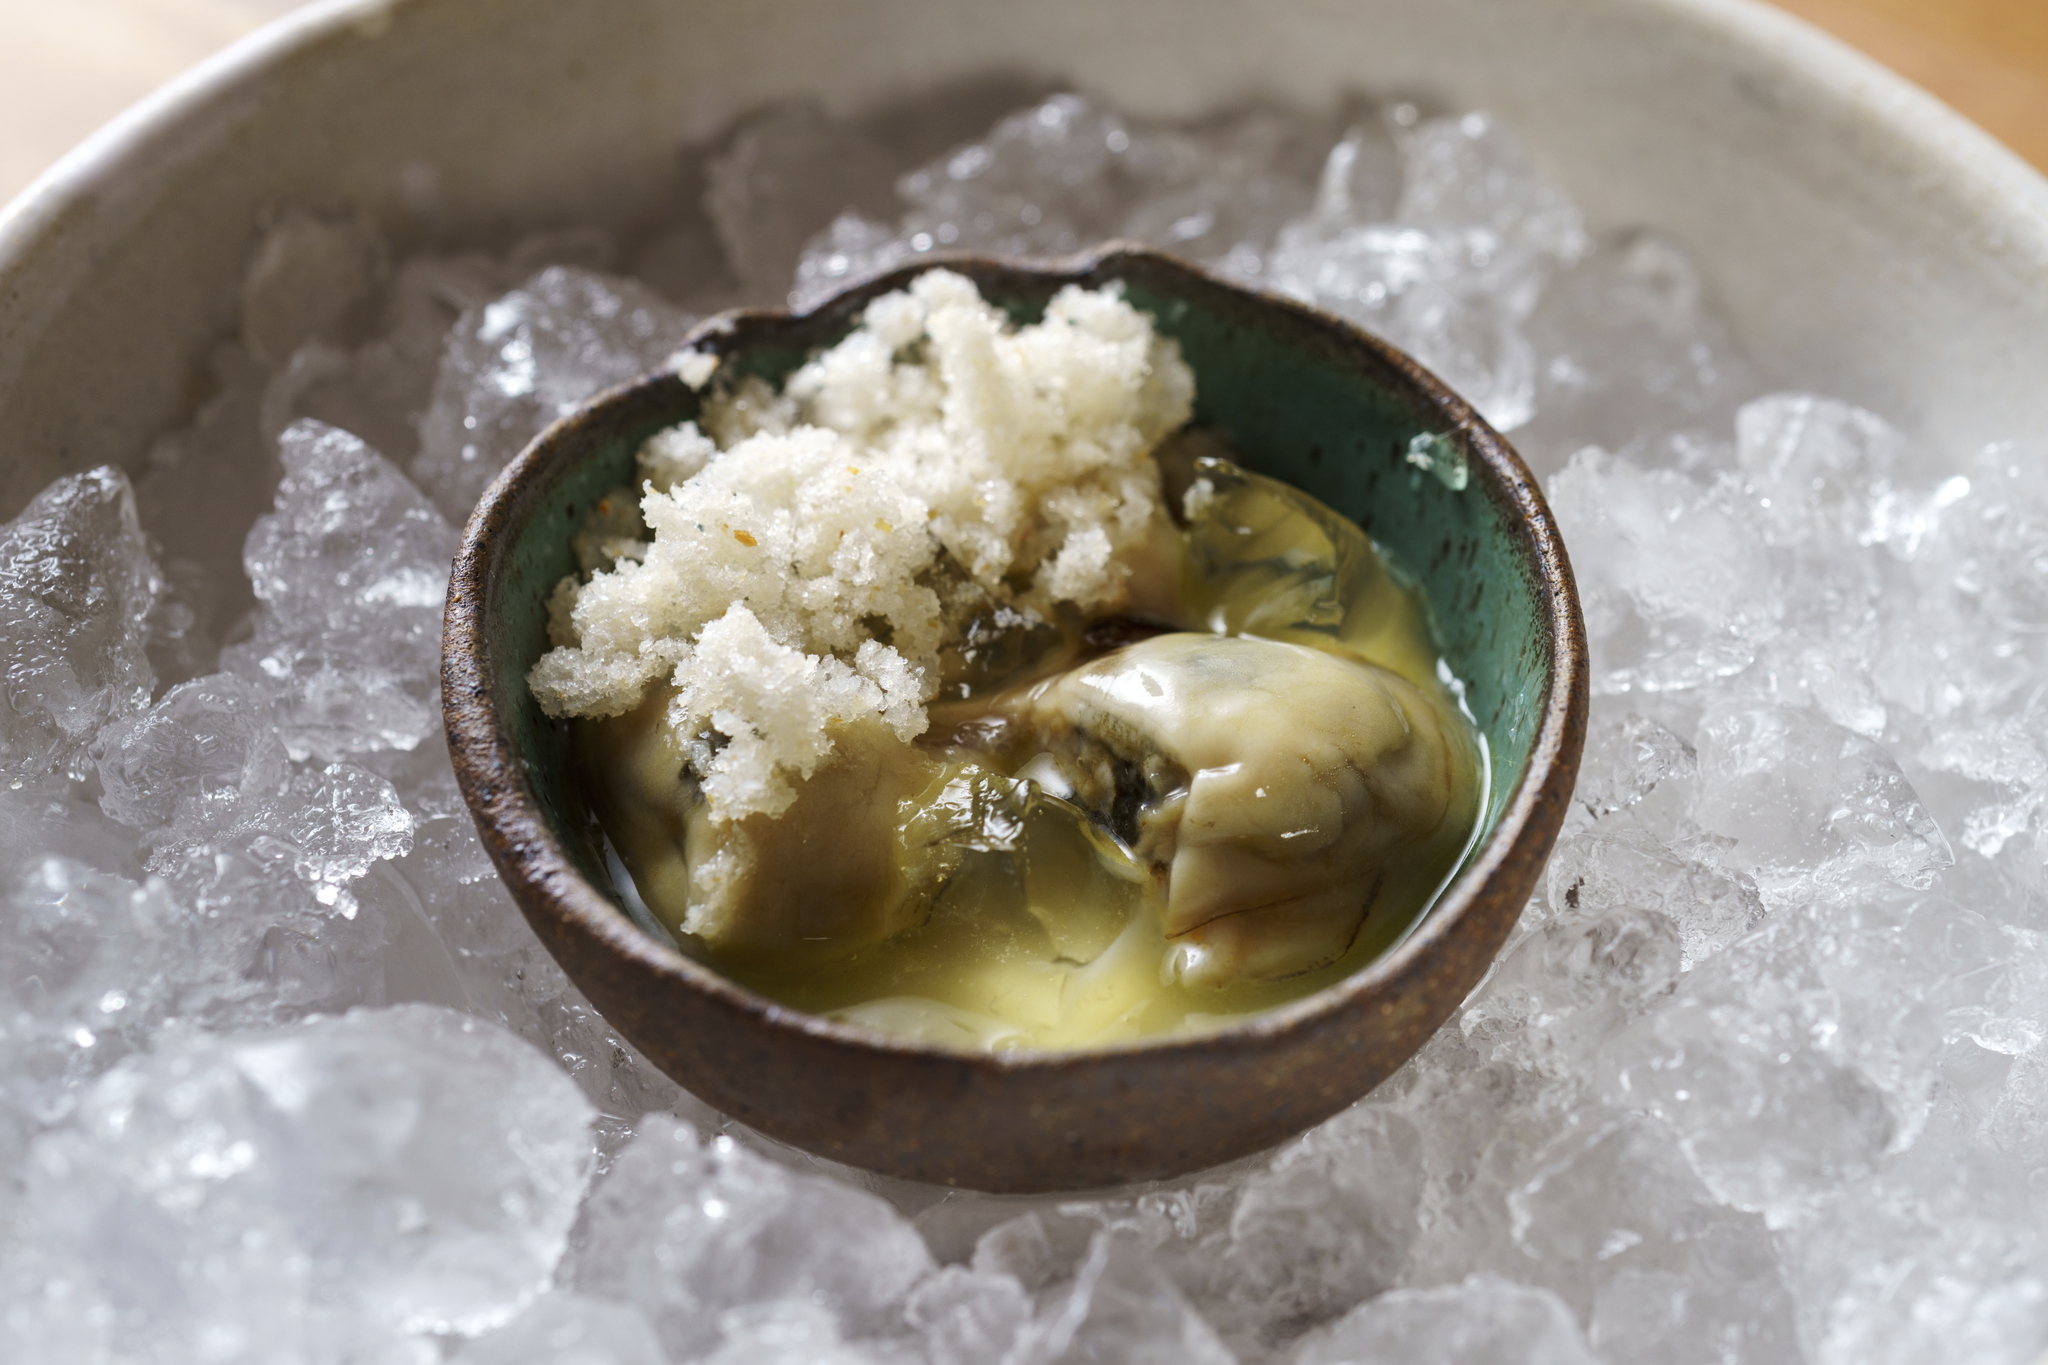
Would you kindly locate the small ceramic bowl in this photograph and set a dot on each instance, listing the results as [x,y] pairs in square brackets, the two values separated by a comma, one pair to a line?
[1300,396]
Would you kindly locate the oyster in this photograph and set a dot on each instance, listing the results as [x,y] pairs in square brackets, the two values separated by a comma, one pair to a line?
[854,861]
[1274,789]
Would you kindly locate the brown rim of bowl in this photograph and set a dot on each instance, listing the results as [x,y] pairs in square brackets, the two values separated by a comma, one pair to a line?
[544,878]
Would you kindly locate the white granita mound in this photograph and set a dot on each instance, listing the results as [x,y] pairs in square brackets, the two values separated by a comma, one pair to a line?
[938,449]
[694,367]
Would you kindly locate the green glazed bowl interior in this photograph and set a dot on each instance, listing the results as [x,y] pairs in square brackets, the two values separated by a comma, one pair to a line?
[1299,396]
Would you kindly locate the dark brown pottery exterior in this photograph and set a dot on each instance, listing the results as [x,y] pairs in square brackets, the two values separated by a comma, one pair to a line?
[1031,1121]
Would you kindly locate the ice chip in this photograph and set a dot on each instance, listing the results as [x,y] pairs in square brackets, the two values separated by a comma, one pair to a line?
[402,1171]
[1806,800]
[966,1316]
[351,570]
[794,1332]
[1470,173]
[307,274]
[87,974]
[1629,347]
[1736,1310]
[849,249]
[1606,952]
[1812,462]
[786,173]
[1992,545]
[1045,182]
[229,936]
[1840,687]
[1751,1068]
[1454,273]
[569,1329]
[378,389]
[266,949]
[200,489]
[1627,756]
[197,761]
[1485,1320]
[1033,1248]
[1676,583]
[1925,1263]
[688,1229]
[1122,1308]
[504,972]
[1220,192]
[1068,173]
[2006,761]
[1331,1222]
[1360,178]
[518,362]
[55,817]
[76,588]
[1684,882]
[341,820]
[1616,1216]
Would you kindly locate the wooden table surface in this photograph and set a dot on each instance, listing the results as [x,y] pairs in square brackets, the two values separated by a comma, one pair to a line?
[66,66]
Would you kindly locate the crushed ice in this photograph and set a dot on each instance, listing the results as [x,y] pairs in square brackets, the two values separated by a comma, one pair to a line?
[1760,1076]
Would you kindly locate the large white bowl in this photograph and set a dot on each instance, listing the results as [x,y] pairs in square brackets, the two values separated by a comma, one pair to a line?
[1868,242]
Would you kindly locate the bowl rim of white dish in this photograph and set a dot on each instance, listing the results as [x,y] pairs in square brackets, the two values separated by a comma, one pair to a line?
[1944,138]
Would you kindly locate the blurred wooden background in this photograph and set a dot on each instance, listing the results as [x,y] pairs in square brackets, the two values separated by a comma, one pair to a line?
[66,66]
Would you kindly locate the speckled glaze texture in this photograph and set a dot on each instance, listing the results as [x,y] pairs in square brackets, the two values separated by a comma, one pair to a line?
[1301,396]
